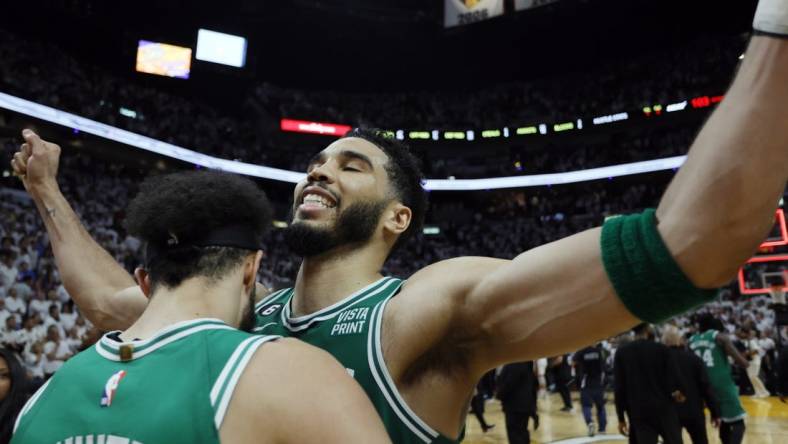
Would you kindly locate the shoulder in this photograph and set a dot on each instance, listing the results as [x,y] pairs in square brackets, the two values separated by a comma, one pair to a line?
[291,362]
[290,372]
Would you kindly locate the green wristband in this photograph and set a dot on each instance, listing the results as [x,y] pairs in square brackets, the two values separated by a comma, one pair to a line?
[643,272]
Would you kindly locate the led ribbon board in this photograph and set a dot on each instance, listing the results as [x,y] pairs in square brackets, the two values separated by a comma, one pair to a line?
[69,120]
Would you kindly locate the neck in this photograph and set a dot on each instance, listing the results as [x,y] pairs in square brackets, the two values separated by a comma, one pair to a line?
[328,278]
[193,299]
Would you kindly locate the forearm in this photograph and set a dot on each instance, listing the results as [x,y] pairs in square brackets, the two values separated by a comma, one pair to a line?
[721,204]
[90,275]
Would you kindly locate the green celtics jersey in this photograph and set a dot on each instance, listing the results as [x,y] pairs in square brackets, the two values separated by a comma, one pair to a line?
[350,331]
[172,388]
[705,346]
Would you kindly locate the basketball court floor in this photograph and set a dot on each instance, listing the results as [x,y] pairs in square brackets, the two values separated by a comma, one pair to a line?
[767,423]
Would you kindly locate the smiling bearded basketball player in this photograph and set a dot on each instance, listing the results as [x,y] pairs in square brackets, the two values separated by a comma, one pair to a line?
[418,347]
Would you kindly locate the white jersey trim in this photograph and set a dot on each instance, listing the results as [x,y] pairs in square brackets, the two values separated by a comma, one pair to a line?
[158,345]
[384,369]
[29,404]
[286,319]
[735,418]
[224,401]
[268,298]
[217,386]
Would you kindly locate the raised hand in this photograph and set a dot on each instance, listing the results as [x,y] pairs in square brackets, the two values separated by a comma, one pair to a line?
[36,162]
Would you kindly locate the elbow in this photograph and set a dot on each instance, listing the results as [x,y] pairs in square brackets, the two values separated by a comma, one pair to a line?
[103,319]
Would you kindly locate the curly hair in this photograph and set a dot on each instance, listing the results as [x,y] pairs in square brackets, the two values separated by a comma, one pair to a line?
[707,321]
[404,172]
[187,206]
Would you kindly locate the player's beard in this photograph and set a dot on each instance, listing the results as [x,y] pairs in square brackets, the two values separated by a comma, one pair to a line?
[355,225]
[248,318]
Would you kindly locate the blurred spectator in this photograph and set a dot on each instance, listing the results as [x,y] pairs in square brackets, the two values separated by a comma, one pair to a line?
[517,387]
[56,350]
[590,371]
[13,392]
[698,390]
[647,382]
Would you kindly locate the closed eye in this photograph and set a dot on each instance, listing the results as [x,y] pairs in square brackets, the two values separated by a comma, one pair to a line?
[351,169]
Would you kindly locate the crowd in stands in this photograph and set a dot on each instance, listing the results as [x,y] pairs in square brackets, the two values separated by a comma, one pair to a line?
[39,320]
[706,67]
[41,324]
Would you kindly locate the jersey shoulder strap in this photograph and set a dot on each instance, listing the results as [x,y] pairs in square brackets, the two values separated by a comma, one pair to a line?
[227,379]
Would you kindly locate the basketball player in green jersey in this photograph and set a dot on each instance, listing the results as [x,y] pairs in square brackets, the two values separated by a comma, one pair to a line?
[419,347]
[714,347]
[183,372]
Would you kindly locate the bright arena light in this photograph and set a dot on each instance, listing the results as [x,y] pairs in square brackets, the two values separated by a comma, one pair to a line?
[217,47]
[75,122]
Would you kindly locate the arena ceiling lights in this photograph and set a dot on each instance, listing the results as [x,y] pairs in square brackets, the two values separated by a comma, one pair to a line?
[69,120]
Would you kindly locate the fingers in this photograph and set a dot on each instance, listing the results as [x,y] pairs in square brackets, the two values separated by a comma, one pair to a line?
[19,164]
[37,146]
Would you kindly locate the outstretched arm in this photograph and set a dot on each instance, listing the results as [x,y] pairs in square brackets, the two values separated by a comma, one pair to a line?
[559,297]
[105,293]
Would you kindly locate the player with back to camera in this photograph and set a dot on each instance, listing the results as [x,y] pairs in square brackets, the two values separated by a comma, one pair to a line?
[712,345]
[184,372]
[418,347]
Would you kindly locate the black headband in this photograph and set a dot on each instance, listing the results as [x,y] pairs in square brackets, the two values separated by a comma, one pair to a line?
[235,236]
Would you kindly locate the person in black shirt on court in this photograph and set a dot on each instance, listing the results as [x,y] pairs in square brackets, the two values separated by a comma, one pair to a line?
[590,374]
[562,377]
[698,390]
[517,387]
[647,383]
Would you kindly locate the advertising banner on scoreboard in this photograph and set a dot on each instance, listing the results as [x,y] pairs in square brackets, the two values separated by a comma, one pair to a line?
[530,4]
[463,12]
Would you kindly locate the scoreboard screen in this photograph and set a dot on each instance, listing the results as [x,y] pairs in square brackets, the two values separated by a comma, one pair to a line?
[163,59]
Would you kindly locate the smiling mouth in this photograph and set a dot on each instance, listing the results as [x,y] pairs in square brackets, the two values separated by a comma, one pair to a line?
[317,198]
[314,200]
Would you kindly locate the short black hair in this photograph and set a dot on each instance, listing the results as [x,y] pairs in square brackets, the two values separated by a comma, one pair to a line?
[404,171]
[707,321]
[187,206]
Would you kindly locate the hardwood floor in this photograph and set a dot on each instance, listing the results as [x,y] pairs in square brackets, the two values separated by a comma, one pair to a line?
[767,423]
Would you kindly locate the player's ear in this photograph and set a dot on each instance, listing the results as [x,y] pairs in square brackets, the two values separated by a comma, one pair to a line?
[251,266]
[397,218]
[143,280]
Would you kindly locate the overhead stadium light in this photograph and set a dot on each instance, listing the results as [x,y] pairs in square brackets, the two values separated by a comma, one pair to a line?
[75,122]
[218,47]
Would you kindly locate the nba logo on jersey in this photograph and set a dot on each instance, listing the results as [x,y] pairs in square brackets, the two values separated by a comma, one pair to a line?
[110,387]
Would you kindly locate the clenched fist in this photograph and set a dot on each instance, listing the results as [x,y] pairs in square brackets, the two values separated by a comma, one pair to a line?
[36,162]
